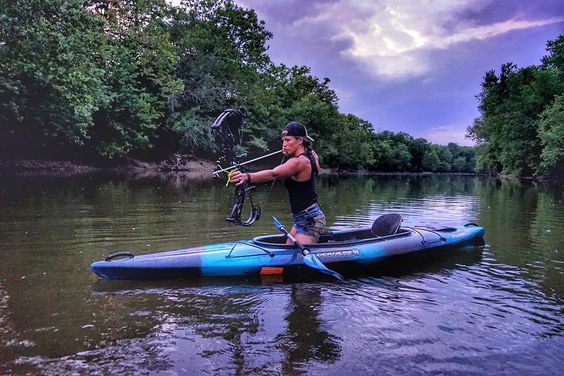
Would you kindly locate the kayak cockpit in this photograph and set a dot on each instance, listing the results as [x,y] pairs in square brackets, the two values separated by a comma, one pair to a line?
[343,236]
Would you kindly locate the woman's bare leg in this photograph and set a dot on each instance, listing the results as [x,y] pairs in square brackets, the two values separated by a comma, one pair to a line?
[303,239]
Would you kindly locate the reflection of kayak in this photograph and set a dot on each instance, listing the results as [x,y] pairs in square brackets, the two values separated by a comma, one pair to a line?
[340,250]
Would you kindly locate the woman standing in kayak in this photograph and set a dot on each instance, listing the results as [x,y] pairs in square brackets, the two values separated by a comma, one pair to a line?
[299,173]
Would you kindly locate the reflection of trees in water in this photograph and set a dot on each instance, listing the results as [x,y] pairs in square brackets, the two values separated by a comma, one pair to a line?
[304,339]
[523,224]
[230,319]
[506,215]
[392,187]
[547,234]
[64,224]
[346,195]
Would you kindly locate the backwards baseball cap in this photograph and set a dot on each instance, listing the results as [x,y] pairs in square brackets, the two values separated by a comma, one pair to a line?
[297,130]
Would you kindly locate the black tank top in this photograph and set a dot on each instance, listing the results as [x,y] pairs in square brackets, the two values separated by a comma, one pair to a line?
[302,194]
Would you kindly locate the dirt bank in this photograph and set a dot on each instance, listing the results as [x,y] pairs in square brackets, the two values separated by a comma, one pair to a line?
[175,164]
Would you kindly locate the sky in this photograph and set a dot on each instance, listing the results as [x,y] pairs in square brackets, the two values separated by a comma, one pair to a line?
[409,65]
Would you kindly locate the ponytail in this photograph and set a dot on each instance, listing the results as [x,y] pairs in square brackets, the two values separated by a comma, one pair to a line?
[308,145]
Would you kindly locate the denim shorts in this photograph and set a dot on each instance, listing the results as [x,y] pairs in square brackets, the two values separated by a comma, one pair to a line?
[310,222]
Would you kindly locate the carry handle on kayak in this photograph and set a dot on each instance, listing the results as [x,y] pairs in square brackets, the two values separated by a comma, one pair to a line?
[116,255]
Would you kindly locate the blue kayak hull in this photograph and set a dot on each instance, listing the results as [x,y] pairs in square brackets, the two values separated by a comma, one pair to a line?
[340,251]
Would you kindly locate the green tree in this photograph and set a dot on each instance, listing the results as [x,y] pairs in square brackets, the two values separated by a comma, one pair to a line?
[114,79]
[52,54]
[140,77]
[417,148]
[222,49]
[551,133]
[445,157]
[431,161]
[459,164]
[511,105]
[382,152]
[351,137]
[401,157]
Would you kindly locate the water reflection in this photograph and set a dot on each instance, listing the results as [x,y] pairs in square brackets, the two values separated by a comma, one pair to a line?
[421,200]
[525,224]
[476,311]
[304,339]
[241,329]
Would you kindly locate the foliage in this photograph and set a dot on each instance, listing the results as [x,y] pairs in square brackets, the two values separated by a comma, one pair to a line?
[51,78]
[140,78]
[551,134]
[222,53]
[514,130]
[111,79]
[431,161]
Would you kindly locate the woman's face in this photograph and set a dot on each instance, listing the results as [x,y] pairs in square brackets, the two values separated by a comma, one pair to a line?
[290,144]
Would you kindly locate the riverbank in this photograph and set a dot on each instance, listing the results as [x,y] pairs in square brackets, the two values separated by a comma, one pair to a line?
[175,164]
[192,166]
[178,165]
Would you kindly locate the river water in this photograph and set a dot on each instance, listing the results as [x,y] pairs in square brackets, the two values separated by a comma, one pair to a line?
[495,309]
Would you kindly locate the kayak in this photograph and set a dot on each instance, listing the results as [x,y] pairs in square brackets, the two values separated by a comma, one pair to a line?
[342,251]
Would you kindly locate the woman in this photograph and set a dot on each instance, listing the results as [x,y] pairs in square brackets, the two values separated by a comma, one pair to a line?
[299,173]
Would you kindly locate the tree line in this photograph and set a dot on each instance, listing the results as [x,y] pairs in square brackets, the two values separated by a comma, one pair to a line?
[520,130]
[107,79]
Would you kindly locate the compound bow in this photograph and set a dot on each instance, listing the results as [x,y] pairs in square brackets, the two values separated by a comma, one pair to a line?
[229,127]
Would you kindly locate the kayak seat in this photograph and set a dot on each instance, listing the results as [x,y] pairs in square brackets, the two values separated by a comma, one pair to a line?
[346,236]
[387,224]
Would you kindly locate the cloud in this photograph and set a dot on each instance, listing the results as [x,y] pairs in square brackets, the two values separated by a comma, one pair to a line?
[445,134]
[490,31]
[392,39]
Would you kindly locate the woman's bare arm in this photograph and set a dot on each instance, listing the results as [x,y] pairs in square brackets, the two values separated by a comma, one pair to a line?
[290,168]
